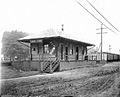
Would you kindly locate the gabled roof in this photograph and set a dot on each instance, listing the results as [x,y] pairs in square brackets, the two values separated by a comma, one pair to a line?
[49,34]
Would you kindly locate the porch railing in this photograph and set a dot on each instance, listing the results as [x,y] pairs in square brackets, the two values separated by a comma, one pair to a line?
[50,65]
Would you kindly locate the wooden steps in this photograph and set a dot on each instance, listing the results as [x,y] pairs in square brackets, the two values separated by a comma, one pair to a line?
[50,66]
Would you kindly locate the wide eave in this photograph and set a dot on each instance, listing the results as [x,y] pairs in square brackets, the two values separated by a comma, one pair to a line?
[28,39]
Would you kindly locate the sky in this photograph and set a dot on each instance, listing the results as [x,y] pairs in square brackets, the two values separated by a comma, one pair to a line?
[34,16]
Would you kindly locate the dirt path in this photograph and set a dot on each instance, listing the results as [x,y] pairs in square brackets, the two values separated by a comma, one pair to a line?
[77,83]
[83,86]
[75,73]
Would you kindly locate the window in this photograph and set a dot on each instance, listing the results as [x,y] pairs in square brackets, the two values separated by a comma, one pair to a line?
[83,52]
[52,50]
[46,48]
[34,49]
[61,52]
[71,51]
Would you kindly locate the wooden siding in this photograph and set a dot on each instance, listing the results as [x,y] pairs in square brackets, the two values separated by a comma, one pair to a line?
[38,51]
[72,56]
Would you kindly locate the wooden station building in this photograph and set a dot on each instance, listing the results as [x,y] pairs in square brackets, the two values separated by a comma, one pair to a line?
[49,53]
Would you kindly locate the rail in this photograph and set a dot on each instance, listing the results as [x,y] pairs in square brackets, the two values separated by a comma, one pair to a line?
[51,64]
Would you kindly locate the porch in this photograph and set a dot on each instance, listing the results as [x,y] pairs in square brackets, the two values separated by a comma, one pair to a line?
[51,66]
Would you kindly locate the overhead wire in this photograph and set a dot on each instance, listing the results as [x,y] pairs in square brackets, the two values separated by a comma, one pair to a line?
[103,16]
[94,16]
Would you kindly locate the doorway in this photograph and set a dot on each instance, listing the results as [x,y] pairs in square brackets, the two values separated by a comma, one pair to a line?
[77,53]
[66,53]
[61,52]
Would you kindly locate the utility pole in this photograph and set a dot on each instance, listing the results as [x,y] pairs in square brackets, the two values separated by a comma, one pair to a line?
[62,27]
[101,38]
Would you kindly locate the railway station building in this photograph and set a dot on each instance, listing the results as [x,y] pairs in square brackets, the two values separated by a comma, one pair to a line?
[54,52]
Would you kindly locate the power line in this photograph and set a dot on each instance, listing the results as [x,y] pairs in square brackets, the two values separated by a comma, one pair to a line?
[94,16]
[103,16]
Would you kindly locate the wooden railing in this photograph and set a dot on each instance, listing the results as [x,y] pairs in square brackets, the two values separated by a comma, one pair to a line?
[46,64]
[50,65]
[55,63]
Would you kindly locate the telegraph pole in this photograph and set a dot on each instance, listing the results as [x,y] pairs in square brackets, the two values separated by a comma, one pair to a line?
[101,38]
[62,27]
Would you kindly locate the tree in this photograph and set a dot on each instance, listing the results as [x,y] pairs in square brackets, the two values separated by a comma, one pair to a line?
[12,48]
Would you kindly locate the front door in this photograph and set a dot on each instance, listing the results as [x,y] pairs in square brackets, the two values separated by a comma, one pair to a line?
[77,53]
[66,53]
[61,52]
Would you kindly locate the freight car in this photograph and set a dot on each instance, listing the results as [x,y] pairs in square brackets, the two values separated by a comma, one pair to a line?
[113,57]
[108,57]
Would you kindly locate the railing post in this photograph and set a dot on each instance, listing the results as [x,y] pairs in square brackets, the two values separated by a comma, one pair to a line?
[51,68]
[41,67]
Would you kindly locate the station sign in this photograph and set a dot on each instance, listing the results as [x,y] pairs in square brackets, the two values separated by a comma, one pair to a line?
[36,41]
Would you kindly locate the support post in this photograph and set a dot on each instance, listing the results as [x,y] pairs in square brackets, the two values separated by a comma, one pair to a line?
[30,58]
[51,68]
[30,51]
[42,59]
[101,41]
[39,57]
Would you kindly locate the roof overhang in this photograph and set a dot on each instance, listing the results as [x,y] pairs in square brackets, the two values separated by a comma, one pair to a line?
[28,40]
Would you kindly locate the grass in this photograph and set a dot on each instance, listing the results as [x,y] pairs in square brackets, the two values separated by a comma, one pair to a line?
[10,72]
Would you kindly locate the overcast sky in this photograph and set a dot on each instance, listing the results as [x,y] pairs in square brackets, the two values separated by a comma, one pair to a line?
[34,16]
